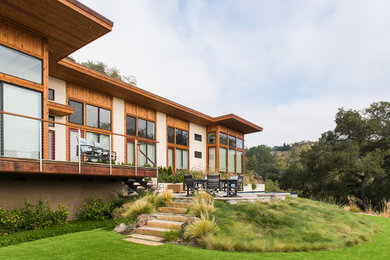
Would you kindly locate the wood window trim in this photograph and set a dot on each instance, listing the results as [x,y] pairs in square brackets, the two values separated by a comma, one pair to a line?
[136,127]
[174,146]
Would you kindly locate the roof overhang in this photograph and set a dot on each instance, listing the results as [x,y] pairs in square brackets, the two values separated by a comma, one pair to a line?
[235,122]
[67,24]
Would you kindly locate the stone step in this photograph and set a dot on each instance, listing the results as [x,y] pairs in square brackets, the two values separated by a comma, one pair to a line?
[172,210]
[145,237]
[183,200]
[143,242]
[178,205]
[165,224]
[172,217]
[152,231]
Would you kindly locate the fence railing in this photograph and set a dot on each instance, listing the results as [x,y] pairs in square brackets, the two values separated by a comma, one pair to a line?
[26,137]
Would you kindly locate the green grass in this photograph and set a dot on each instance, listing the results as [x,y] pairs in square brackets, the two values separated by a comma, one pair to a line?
[284,226]
[103,244]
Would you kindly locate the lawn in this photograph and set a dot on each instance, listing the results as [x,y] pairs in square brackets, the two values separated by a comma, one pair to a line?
[103,244]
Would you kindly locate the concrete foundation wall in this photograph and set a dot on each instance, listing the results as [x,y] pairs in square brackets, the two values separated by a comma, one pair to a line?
[70,191]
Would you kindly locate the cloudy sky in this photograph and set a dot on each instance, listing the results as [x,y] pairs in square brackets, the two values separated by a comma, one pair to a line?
[284,65]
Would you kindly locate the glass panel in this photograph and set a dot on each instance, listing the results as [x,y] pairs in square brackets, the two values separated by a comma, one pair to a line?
[179,158]
[170,158]
[185,138]
[130,152]
[179,136]
[232,141]
[51,145]
[232,160]
[130,125]
[104,119]
[171,135]
[20,65]
[151,154]
[141,128]
[78,113]
[74,141]
[104,141]
[141,157]
[223,138]
[91,116]
[222,159]
[51,94]
[151,132]
[185,159]
[92,137]
[240,143]
[212,159]
[239,161]
[198,137]
[211,138]
[21,135]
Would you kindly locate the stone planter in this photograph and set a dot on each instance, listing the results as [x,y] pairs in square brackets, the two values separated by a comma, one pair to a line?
[175,187]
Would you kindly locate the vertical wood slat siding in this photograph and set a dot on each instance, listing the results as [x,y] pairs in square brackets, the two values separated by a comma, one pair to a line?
[139,111]
[21,39]
[178,123]
[88,95]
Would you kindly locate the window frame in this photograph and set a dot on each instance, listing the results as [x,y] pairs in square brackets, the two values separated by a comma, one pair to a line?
[198,155]
[82,111]
[198,137]
[51,94]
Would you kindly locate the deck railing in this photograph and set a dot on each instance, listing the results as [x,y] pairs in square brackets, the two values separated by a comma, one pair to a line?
[26,137]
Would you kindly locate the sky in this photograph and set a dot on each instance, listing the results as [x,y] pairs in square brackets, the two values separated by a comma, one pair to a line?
[284,65]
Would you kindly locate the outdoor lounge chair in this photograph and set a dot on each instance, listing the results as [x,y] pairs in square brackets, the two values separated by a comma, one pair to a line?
[213,183]
[189,184]
[235,185]
[86,149]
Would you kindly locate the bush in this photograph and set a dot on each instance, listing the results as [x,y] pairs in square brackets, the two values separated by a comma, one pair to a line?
[95,209]
[271,186]
[139,207]
[201,229]
[30,218]
[166,196]
[205,197]
[172,235]
[200,208]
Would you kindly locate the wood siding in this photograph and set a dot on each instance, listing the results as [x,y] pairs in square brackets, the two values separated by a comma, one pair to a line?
[140,112]
[88,95]
[178,123]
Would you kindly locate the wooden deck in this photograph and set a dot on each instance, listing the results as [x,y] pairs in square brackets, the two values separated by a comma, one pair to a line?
[31,166]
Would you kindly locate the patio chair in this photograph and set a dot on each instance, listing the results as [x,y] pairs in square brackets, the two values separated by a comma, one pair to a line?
[189,184]
[235,185]
[86,149]
[103,154]
[213,183]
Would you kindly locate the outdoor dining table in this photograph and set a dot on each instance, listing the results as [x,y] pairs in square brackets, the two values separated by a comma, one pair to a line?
[226,183]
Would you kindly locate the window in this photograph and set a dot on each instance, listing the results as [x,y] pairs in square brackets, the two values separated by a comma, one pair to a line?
[198,155]
[150,151]
[171,135]
[170,158]
[198,137]
[130,152]
[239,161]
[232,160]
[78,114]
[223,138]
[232,141]
[98,117]
[150,130]
[52,145]
[240,143]
[51,118]
[51,94]
[15,141]
[181,159]
[212,159]
[142,128]
[131,128]
[103,140]
[20,65]
[181,137]
[222,159]
[211,138]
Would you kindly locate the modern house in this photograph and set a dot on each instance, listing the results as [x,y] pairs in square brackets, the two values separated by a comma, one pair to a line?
[50,106]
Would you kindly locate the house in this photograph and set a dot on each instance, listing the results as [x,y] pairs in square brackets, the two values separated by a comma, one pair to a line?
[50,106]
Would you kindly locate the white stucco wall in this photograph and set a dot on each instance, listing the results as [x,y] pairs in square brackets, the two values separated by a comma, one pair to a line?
[119,128]
[199,146]
[161,130]
[59,87]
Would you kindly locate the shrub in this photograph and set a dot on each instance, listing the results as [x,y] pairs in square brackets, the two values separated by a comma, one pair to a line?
[29,218]
[166,196]
[205,197]
[201,229]
[200,208]
[139,207]
[254,186]
[271,186]
[95,209]
[172,235]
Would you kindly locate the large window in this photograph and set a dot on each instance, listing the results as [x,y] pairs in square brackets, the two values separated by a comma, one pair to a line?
[240,143]
[146,129]
[232,160]
[171,135]
[223,138]
[98,117]
[78,114]
[170,157]
[181,159]
[131,152]
[211,138]
[181,137]
[20,65]
[239,161]
[212,159]
[131,125]
[232,141]
[20,137]
[150,151]
[222,159]
[103,140]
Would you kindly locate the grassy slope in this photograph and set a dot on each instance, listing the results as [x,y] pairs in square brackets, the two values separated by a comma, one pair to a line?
[102,244]
[290,225]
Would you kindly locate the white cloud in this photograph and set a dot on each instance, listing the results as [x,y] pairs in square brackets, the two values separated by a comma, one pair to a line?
[285,65]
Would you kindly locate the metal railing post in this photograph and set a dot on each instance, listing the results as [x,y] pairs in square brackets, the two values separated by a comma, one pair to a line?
[40,146]
[79,151]
[110,155]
